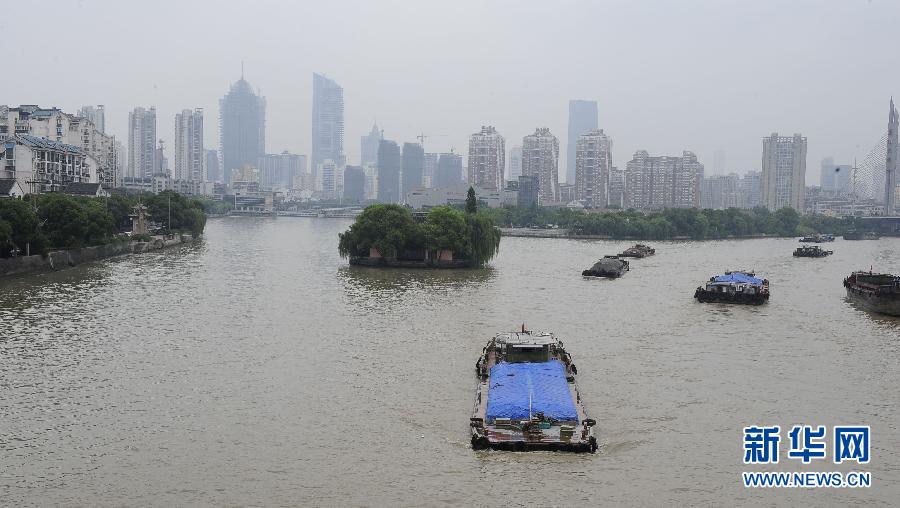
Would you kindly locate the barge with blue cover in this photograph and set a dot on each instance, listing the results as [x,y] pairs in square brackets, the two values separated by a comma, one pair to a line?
[527,398]
[734,287]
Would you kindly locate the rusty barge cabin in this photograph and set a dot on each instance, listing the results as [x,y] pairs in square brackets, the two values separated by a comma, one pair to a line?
[527,398]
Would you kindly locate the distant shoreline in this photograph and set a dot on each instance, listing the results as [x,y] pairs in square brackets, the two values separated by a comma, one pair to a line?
[564,234]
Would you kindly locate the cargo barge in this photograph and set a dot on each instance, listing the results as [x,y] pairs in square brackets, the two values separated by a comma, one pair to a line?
[734,287]
[527,398]
[610,266]
[811,252]
[876,292]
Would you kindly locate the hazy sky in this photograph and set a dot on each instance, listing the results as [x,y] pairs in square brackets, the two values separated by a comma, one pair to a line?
[668,76]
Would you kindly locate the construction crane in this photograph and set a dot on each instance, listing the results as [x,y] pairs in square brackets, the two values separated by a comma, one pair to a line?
[422,137]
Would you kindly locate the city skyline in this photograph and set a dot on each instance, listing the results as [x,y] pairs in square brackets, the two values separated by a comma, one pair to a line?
[729,104]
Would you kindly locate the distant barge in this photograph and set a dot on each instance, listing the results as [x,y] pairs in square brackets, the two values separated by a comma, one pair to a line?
[527,398]
[817,238]
[861,235]
[610,266]
[813,251]
[638,251]
[734,287]
[877,292]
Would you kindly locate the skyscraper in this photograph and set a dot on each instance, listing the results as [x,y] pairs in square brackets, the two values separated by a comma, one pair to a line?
[593,161]
[413,165]
[142,142]
[487,158]
[190,156]
[242,128]
[388,172]
[515,163]
[213,172]
[449,171]
[582,119]
[368,146]
[890,167]
[354,184]
[327,121]
[540,156]
[96,114]
[784,172]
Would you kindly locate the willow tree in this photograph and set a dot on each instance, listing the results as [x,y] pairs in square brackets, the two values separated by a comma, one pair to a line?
[484,238]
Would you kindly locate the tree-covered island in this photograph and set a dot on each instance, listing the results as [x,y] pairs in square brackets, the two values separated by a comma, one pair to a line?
[444,237]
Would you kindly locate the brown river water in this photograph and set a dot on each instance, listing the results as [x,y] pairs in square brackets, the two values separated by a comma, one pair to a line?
[256,368]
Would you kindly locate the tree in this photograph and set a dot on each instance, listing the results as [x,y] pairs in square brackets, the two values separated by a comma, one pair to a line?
[484,238]
[471,202]
[446,228]
[24,228]
[389,228]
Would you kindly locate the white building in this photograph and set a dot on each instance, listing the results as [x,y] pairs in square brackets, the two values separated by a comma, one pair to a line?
[55,125]
[663,182]
[142,142]
[784,172]
[540,156]
[593,162]
[190,156]
[41,165]
[487,158]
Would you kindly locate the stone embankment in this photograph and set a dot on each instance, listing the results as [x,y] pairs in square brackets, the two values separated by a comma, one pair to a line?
[62,259]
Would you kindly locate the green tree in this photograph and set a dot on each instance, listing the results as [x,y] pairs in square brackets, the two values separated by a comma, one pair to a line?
[25,230]
[446,228]
[390,228]
[484,238]
[471,202]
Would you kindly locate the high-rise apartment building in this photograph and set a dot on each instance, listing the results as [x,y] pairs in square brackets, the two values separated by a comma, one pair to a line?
[96,115]
[751,187]
[242,128]
[278,171]
[327,121]
[487,158]
[616,188]
[190,156]
[663,182]
[388,172]
[449,171]
[368,146]
[593,162]
[540,157]
[142,142]
[412,166]
[784,172]
[515,163]
[582,119]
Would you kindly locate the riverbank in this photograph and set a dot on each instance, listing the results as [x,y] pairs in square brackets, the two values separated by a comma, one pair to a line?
[565,233]
[62,259]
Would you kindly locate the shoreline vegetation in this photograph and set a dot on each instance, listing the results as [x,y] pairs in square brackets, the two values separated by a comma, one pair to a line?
[668,224]
[444,237]
[40,223]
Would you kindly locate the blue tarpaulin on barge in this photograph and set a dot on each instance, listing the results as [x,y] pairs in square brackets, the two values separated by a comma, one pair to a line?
[739,277]
[513,384]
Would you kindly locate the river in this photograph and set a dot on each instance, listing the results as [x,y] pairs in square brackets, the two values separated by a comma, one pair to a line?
[256,368]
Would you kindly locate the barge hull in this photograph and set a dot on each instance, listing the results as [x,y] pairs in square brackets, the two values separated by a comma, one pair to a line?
[888,306]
